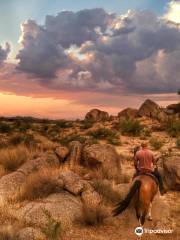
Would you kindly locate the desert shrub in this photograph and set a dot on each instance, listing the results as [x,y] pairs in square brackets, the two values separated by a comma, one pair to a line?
[86,125]
[173,128]
[52,229]
[26,139]
[178,142]
[114,141]
[105,189]
[102,133]
[107,134]
[5,127]
[92,216]
[22,125]
[130,127]
[39,184]
[156,143]
[145,132]
[73,137]
[13,157]
[63,124]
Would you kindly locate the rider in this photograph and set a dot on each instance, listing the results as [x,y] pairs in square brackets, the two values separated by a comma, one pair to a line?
[145,162]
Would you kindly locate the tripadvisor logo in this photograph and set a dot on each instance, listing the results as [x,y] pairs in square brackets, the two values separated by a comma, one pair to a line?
[139,231]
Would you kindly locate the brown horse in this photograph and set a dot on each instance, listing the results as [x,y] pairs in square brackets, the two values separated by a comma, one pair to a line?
[142,191]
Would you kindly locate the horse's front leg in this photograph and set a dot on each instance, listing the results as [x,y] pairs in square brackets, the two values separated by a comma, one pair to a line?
[150,212]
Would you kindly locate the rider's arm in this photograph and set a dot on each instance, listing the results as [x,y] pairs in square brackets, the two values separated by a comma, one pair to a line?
[154,161]
[135,161]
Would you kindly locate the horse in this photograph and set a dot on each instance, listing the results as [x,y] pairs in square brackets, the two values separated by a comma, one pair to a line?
[142,192]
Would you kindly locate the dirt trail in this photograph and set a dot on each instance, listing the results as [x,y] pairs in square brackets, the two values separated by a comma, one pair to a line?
[123,226]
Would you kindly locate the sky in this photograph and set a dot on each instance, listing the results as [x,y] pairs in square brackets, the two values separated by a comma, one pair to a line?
[60,58]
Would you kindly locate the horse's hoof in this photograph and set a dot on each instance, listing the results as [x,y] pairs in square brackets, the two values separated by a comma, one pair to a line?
[150,219]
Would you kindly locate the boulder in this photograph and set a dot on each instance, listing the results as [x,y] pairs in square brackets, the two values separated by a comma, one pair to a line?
[149,109]
[61,152]
[162,116]
[46,160]
[175,108]
[101,155]
[96,115]
[30,233]
[72,182]
[11,183]
[74,157]
[63,207]
[128,113]
[172,172]
[91,198]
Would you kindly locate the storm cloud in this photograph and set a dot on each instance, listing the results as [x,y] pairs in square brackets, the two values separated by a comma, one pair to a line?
[100,51]
[4,52]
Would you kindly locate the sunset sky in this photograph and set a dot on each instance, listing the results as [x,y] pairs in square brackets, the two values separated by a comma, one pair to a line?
[60,58]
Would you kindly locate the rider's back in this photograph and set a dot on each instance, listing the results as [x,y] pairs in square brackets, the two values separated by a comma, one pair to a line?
[144,159]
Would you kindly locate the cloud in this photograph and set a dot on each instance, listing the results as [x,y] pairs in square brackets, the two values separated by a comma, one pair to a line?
[173,12]
[97,51]
[4,52]
[44,47]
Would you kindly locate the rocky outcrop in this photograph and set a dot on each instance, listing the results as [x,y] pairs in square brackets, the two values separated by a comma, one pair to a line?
[74,157]
[11,183]
[63,207]
[172,172]
[149,109]
[91,198]
[96,115]
[72,182]
[61,152]
[30,233]
[174,108]
[46,160]
[162,116]
[128,113]
[101,155]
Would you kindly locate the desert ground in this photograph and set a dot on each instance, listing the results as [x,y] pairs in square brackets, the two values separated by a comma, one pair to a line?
[60,179]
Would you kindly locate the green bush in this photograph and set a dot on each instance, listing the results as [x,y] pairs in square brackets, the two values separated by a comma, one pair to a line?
[86,125]
[106,134]
[52,229]
[146,132]
[26,139]
[102,133]
[131,127]
[63,124]
[156,143]
[22,125]
[173,127]
[5,128]
[74,137]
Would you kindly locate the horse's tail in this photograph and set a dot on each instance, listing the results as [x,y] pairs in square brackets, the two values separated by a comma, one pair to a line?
[121,206]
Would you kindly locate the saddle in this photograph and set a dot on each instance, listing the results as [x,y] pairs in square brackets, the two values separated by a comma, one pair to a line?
[150,174]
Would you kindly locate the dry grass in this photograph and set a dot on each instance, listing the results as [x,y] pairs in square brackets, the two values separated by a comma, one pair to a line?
[113,174]
[40,184]
[9,225]
[105,189]
[93,216]
[13,157]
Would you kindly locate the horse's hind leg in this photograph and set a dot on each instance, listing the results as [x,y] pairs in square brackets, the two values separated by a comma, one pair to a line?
[150,212]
